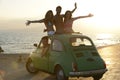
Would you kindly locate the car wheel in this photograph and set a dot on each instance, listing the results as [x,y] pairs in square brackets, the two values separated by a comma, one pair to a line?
[60,74]
[97,77]
[30,66]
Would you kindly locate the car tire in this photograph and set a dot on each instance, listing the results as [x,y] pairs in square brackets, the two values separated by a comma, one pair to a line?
[97,77]
[30,66]
[60,74]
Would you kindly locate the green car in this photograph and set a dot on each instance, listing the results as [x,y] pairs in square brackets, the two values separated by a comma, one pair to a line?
[67,55]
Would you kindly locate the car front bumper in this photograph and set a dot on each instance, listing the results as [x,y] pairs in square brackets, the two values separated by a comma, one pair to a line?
[88,73]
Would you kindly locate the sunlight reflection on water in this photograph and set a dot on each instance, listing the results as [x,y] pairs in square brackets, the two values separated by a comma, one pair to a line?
[106,39]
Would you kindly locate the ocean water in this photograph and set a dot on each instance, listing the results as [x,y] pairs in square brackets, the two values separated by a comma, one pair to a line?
[22,41]
[19,41]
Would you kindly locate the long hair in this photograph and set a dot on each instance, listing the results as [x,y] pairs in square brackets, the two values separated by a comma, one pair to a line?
[69,13]
[65,16]
[47,16]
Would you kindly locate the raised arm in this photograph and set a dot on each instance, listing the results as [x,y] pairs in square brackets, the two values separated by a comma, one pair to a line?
[89,15]
[35,21]
[74,8]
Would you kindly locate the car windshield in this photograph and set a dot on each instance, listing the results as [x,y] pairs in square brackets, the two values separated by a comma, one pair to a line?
[78,41]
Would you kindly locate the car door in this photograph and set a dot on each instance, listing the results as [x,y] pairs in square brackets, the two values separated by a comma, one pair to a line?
[56,54]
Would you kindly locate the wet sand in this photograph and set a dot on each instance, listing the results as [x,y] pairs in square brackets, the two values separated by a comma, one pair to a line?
[111,55]
[12,66]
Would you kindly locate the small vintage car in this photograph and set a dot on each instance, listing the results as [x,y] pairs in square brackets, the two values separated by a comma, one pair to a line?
[67,55]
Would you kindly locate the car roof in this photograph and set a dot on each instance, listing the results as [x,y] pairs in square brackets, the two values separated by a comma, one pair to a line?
[65,37]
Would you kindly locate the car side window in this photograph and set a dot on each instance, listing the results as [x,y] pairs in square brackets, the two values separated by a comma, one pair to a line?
[57,45]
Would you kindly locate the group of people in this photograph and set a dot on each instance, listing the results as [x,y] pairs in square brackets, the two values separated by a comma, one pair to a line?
[62,22]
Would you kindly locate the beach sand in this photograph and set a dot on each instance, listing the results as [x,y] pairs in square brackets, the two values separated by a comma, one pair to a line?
[12,66]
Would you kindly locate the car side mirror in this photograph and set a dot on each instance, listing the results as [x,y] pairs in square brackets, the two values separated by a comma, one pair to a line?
[35,45]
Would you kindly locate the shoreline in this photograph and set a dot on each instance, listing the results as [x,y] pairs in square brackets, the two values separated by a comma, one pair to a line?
[14,55]
[108,46]
[24,56]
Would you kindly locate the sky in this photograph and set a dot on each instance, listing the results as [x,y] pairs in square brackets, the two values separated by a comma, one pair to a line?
[14,13]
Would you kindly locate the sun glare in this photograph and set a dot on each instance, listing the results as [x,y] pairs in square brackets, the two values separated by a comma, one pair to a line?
[106,13]
[104,36]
